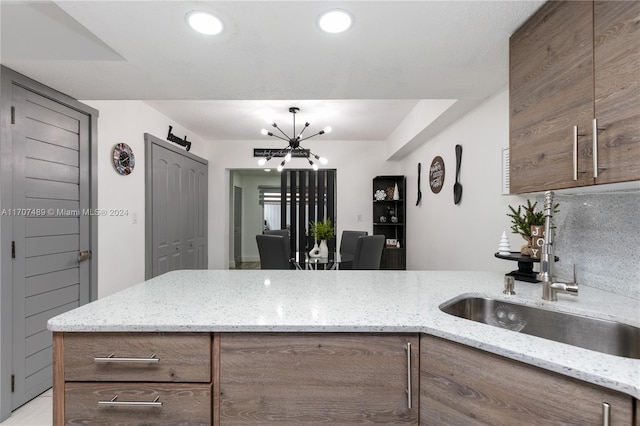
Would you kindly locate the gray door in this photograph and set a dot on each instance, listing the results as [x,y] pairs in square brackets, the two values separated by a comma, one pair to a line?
[194,217]
[51,184]
[177,188]
[167,233]
[237,225]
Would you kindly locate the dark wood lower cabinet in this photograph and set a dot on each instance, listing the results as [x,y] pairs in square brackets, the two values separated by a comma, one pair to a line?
[312,378]
[460,386]
[316,378]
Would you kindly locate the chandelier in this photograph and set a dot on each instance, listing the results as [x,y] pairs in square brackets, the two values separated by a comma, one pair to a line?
[294,148]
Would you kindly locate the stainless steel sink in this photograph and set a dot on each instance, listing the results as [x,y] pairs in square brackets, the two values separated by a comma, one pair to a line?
[609,337]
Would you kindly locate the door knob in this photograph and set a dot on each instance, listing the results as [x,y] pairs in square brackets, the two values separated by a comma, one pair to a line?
[84,255]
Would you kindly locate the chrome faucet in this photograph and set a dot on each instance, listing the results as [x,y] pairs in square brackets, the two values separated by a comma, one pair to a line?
[550,289]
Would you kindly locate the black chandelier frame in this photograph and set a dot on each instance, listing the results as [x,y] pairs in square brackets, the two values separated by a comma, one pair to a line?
[294,144]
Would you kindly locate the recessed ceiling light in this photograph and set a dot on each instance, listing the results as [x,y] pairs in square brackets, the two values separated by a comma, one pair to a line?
[335,21]
[204,22]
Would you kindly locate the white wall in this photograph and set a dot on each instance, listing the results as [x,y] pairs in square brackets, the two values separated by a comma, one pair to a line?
[445,236]
[121,244]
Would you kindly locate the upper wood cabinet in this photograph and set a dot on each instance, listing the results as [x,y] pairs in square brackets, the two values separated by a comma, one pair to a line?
[575,67]
[617,89]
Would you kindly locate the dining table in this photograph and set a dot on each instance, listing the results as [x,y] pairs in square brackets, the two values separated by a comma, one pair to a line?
[331,262]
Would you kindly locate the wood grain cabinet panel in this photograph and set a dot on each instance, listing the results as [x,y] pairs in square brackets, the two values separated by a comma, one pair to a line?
[176,404]
[617,89]
[298,379]
[551,91]
[183,357]
[461,386]
[571,63]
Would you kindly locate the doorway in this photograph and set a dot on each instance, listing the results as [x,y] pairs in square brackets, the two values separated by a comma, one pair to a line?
[48,236]
[264,205]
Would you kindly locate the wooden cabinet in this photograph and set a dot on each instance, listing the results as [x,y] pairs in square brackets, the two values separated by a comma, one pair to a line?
[460,385]
[138,403]
[311,378]
[132,378]
[617,89]
[337,379]
[389,217]
[575,67]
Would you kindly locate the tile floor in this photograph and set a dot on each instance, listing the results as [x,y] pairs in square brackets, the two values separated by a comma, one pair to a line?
[37,412]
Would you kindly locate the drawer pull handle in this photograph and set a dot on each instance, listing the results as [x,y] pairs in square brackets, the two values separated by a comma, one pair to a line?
[113,403]
[112,359]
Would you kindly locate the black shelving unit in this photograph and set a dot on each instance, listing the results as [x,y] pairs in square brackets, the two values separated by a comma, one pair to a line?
[393,225]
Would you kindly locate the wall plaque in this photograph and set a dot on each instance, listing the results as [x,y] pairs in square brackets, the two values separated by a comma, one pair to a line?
[436,174]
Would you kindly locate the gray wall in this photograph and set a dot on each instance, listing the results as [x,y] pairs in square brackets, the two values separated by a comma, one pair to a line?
[600,233]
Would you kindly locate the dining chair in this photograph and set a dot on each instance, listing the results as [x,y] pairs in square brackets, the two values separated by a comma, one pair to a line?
[368,252]
[285,234]
[348,243]
[273,252]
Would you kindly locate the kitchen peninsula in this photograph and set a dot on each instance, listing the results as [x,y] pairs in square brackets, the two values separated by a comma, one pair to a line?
[295,347]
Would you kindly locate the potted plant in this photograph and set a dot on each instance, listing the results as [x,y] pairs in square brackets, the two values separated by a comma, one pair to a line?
[321,231]
[525,220]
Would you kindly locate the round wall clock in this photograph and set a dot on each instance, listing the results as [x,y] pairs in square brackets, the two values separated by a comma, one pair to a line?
[123,158]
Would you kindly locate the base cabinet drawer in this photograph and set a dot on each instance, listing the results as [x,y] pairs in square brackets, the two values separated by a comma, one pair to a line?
[137,404]
[131,357]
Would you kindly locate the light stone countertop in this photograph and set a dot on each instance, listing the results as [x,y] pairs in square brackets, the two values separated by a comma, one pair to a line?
[360,301]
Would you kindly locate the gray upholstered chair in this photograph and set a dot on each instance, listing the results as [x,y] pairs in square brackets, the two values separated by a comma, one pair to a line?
[368,252]
[285,234]
[273,252]
[348,243]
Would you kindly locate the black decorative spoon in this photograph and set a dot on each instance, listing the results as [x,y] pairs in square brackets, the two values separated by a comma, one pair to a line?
[457,187]
[419,192]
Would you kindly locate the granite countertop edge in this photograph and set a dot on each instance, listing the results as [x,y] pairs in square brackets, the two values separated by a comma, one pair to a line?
[382,302]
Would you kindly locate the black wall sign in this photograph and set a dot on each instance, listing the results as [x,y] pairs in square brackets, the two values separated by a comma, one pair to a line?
[182,142]
[269,152]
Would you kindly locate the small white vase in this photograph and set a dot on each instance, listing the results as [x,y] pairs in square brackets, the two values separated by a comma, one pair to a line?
[315,251]
[396,193]
[324,250]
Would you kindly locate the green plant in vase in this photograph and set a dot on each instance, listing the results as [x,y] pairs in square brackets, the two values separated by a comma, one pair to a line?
[321,231]
[522,219]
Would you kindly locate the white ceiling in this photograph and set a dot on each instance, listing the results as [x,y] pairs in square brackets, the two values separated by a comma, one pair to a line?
[271,56]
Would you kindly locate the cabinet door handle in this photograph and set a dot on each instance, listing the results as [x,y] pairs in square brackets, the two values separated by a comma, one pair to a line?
[113,403]
[595,147]
[606,414]
[408,349]
[596,129]
[575,152]
[112,359]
